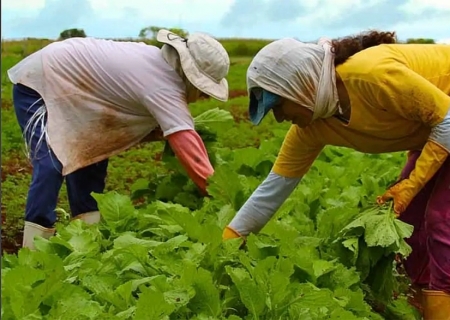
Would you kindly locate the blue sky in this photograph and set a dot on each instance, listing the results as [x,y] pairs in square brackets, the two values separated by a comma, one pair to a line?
[304,19]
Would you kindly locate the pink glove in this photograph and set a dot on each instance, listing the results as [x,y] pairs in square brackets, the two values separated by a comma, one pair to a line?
[191,152]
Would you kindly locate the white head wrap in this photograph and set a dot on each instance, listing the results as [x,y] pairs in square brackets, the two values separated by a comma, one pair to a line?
[301,72]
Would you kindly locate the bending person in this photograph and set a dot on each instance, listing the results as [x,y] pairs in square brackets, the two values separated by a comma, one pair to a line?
[82,100]
[372,95]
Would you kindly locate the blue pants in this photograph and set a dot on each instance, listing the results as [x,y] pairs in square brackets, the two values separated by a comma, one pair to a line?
[47,178]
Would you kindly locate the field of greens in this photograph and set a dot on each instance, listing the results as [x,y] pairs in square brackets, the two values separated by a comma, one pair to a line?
[158,253]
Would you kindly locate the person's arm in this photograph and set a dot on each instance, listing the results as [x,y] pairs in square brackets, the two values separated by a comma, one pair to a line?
[191,152]
[168,106]
[262,205]
[298,152]
[417,99]
[440,133]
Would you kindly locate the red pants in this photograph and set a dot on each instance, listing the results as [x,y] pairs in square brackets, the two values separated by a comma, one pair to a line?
[428,266]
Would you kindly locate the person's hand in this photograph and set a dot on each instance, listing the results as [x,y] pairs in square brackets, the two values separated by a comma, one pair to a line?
[402,193]
[155,135]
[428,163]
[229,233]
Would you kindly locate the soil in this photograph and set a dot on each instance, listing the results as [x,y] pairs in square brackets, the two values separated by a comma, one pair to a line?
[11,236]
[15,163]
[6,104]
[158,156]
[238,114]
[237,93]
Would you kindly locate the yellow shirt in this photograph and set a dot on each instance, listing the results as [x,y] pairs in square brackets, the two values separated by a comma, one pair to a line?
[397,92]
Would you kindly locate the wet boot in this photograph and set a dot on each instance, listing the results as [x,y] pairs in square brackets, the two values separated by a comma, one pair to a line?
[31,230]
[92,217]
[436,305]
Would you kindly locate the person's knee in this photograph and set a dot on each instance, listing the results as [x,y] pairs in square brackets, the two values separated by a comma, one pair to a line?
[47,170]
[438,210]
[438,222]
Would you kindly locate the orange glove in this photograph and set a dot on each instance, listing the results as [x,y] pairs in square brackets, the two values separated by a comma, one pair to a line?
[430,160]
[229,233]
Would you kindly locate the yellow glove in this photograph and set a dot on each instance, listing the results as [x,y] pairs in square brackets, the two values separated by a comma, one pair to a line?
[229,233]
[430,160]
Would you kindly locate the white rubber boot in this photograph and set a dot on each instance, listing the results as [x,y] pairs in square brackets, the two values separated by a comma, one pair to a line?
[31,230]
[92,217]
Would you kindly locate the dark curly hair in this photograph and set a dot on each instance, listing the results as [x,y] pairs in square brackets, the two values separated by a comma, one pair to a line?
[344,48]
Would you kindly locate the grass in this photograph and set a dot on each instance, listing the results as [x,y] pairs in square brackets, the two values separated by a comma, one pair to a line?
[139,162]
[234,47]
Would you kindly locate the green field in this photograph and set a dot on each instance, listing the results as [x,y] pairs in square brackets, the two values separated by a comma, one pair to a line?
[16,169]
[158,253]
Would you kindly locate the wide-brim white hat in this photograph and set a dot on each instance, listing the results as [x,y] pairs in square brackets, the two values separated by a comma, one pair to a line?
[204,61]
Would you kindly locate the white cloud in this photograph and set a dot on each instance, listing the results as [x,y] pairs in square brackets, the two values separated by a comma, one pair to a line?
[23,4]
[176,10]
[329,10]
[306,19]
[423,28]
[418,6]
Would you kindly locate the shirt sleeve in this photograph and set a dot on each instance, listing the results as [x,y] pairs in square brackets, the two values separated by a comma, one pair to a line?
[191,152]
[299,150]
[410,95]
[441,133]
[170,109]
[263,204]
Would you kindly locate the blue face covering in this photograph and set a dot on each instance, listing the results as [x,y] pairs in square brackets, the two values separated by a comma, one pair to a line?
[261,102]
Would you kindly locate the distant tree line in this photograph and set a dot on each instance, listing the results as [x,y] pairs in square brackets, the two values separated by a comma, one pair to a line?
[420,40]
[151,32]
[235,47]
[146,33]
[72,33]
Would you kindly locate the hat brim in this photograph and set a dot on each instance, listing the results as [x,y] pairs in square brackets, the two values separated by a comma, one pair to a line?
[217,90]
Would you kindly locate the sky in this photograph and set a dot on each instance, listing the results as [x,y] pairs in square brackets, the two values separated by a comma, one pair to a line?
[306,20]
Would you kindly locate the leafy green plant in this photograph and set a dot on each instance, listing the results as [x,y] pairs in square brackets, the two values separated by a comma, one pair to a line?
[326,254]
[158,251]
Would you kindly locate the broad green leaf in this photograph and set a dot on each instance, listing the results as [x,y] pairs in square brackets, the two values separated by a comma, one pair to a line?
[152,305]
[251,295]
[115,209]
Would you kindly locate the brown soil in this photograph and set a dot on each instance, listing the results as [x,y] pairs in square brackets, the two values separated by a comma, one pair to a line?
[12,245]
[6,104]
[237,93]
[158,156]
[140,201]
[238,114]
[11,235]
[15,163]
